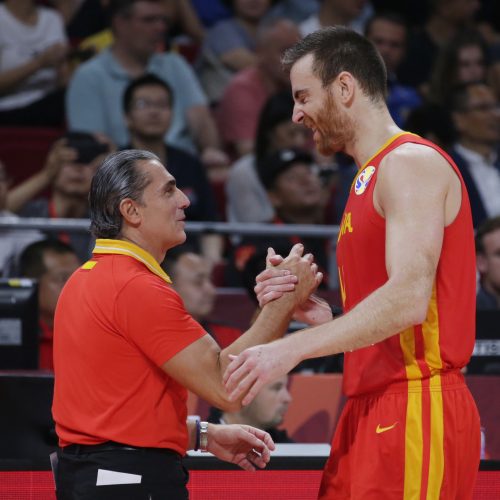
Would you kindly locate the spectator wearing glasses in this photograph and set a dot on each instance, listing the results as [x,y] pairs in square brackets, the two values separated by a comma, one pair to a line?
[147,104]
[476,115]
[96,90]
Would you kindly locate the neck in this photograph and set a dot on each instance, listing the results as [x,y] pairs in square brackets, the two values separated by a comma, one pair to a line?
[134,64]
[485,150]
[24,10]
[369,138]
[494,292]
[237,418]
[328,17]
[132,236]
[250,25]
[70,206]
[156,145]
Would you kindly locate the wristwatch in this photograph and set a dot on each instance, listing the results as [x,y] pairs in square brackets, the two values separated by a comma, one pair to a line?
[203,436]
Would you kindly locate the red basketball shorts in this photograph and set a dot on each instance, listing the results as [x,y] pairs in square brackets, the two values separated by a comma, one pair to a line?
[419,440]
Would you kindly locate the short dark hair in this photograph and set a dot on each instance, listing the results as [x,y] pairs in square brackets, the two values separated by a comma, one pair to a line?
[277,109]
[144,81]
[31,264]
[336,49]
[123,7]
[487,227]
[460,96]
[116,179]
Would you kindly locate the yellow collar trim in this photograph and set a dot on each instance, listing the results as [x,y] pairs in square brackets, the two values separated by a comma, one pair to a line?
[389,141]
[121,247]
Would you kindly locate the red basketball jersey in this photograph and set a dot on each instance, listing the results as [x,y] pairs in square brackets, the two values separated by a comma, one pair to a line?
[445,340]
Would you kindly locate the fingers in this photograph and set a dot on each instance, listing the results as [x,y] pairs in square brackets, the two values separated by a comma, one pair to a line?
[263,436]
[234,365]
[297,250]
[277,275]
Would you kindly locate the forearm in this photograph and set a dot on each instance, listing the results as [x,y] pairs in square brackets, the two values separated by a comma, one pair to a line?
[26,191]
[271,324]
[10,79]
[387,311]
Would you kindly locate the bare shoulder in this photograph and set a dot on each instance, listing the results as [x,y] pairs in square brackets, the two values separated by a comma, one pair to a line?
[417,174]
[416,160]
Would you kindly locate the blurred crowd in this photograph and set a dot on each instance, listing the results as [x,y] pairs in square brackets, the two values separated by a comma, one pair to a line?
[199,83]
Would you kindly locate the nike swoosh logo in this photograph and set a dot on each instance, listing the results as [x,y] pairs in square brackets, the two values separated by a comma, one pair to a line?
[380,429]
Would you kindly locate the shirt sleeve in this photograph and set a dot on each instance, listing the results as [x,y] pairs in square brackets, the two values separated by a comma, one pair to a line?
[152,316]
[84,110]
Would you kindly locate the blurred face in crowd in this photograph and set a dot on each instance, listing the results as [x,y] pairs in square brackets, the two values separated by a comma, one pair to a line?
[488,262]
[143,30]
[479,121]
[74,179]
[470,65]
[192,280]
[288,135]
[269,406]
[348,9]
[297,190]
[150,112]
[271,45]
[59,267]
[390,40]
[251,10]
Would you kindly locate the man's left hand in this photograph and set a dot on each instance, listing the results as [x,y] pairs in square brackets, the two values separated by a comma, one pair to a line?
[242,445]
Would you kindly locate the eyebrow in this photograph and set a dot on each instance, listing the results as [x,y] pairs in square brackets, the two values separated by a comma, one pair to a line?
[299,93]
[168,185]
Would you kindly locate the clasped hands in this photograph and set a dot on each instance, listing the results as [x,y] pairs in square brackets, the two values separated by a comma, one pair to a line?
[292,278]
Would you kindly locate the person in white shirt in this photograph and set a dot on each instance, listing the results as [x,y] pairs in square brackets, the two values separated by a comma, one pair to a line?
[33,68]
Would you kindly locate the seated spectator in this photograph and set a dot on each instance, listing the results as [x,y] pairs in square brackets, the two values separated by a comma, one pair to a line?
[298,197]
[388,32]
[477,121]
[51,262]
[446,18]
[33,68]
[488,264]
[243,99]
[70,187]
[247,199]
[95,93]
[230,45]
[12,240]
[350,13]
[191,276]
[464,59]
[147,105]
[266,411]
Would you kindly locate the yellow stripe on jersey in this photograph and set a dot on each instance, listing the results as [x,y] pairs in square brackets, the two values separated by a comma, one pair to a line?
[121,247]
[89,264]
[430,330]
[413,433]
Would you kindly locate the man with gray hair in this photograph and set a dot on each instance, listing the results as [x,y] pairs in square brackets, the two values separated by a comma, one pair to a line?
[126,350]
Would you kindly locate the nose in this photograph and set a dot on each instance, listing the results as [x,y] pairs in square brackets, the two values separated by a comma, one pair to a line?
[287,397]
[184,200]
[297,115]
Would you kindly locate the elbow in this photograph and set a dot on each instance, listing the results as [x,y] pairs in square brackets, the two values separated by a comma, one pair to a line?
[222,402]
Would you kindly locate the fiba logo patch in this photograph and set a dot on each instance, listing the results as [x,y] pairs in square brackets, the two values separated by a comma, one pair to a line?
[363,180]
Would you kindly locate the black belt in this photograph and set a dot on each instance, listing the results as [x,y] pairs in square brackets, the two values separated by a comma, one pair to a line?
[77,449]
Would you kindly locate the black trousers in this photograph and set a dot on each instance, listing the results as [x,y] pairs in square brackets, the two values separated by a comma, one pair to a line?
[112,471]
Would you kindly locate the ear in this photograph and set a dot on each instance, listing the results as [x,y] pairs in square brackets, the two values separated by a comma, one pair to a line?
[130,211]
[481,263]
[345,87]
